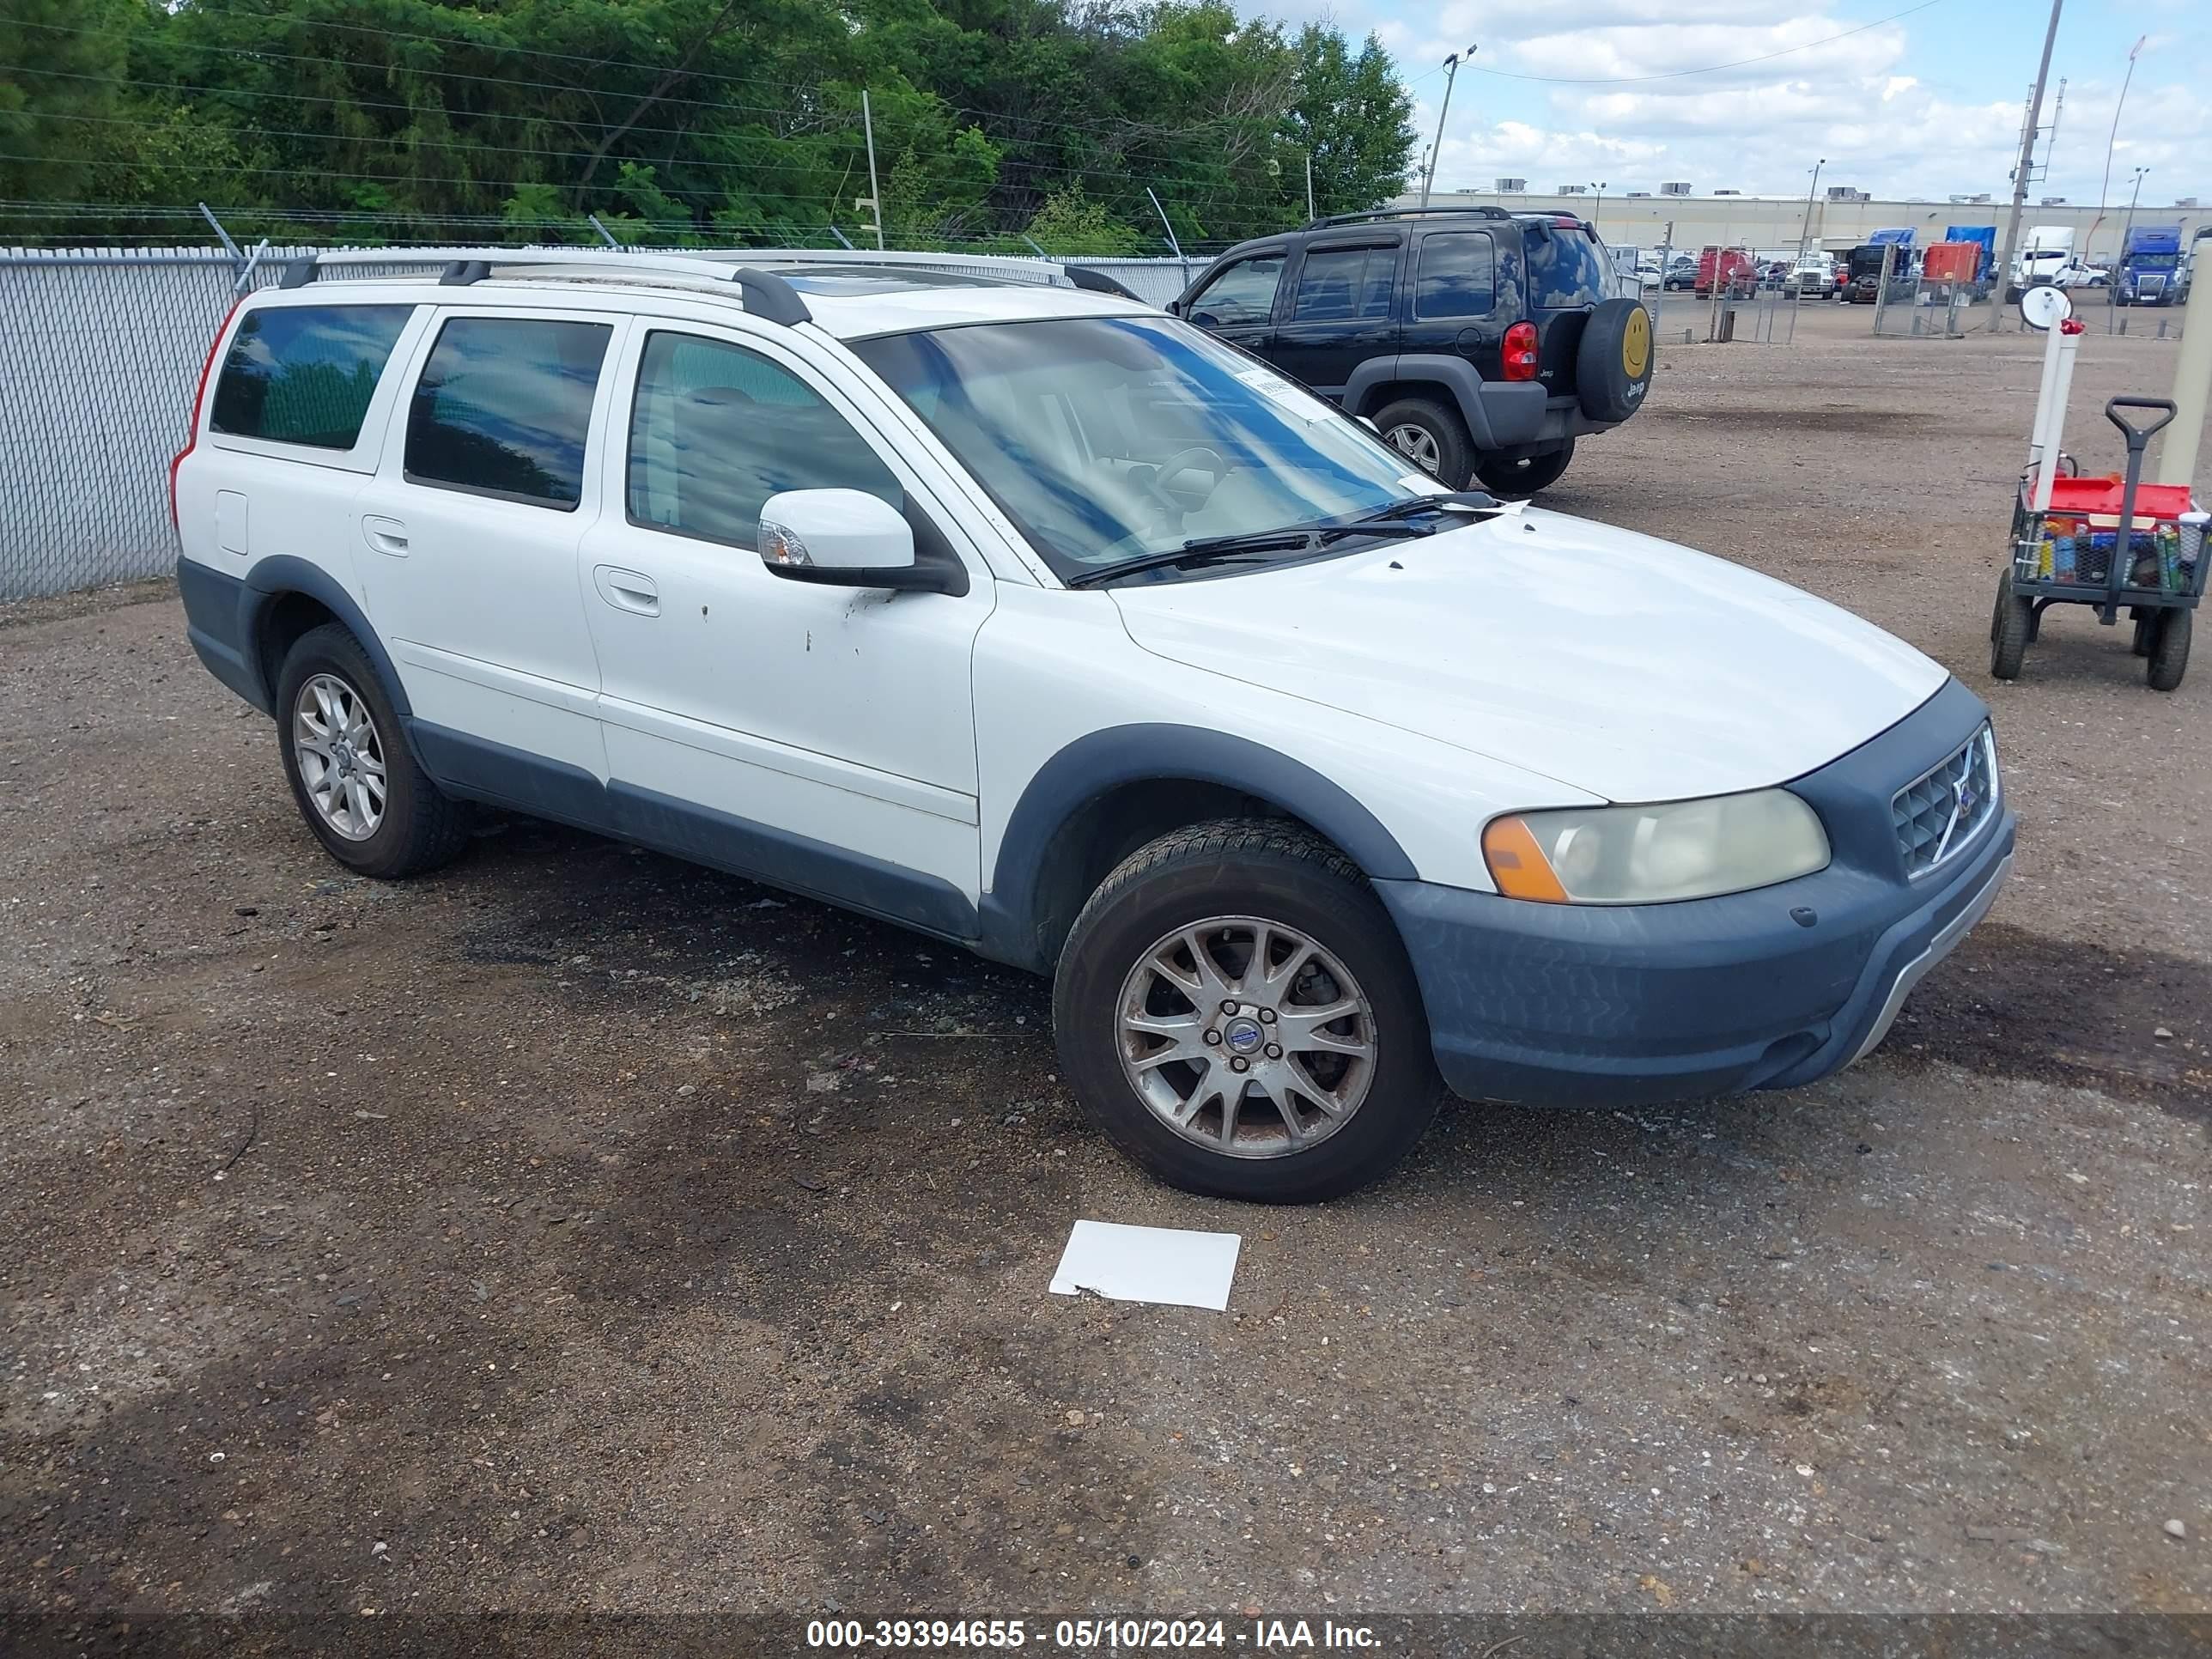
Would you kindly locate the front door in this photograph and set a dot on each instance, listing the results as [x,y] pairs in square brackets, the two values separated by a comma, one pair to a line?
[1238,302]
[819,737]
[1340,313]
[468,539]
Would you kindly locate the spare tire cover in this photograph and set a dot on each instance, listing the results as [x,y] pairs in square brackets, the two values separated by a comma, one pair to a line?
[1613,366]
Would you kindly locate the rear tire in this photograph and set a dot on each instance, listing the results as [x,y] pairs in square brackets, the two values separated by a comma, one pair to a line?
[2010,631]
[353,775]
[2169,649]
[1525,477]
[1321,1107]
[1431,435]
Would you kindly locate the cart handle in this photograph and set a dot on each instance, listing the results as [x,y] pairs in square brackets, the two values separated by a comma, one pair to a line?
[2139,435]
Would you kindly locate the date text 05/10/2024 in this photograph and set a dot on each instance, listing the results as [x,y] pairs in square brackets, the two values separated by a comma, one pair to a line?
[1111,1635]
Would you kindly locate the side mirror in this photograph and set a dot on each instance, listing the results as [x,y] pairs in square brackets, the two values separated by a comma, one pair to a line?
[849,538]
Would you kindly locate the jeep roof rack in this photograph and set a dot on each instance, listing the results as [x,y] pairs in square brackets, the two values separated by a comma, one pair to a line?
[1486,211]
[765,294]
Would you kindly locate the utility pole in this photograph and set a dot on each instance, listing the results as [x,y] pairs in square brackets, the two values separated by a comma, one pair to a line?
[2020,173]
[875,191]
[1435,150]
[1805,232]
[1311,214]
[1599,209]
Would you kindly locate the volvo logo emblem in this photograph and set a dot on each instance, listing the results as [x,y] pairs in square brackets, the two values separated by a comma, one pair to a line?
[1242,1036]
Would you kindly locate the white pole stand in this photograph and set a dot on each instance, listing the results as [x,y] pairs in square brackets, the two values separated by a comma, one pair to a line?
[2051,408]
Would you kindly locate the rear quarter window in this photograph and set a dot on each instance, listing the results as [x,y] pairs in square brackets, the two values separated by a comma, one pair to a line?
[305,375]
[1565,267]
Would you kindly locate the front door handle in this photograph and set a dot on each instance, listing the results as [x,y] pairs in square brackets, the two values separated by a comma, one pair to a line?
[385,536]
[627,590]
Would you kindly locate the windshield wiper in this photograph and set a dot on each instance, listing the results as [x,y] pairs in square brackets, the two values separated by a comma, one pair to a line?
[1231,549]
[1250,544]
[1462,500]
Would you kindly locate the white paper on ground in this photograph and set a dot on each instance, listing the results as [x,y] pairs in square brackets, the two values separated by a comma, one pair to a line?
[1148,1264]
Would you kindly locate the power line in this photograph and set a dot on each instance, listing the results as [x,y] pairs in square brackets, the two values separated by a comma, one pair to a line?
[1136,164]
[1129,177]
[261,54]
[1709,69]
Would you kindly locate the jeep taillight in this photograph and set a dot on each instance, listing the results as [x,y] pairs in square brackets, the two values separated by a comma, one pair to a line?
[1521,351]
[192,415]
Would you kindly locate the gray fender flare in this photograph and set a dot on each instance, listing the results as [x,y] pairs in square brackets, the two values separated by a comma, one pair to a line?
[1453,376]
[1096,764]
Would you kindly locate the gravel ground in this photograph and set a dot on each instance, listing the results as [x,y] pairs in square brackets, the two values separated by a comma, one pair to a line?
[577,1230]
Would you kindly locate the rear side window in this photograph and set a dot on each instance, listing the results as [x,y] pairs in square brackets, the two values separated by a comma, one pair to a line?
[304,375]
[1244,292]
[1343,285]
[1457,276]
[1564,267]
[716,430]
[502,407]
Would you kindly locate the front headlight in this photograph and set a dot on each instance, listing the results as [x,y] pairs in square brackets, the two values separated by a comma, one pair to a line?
[1681,850]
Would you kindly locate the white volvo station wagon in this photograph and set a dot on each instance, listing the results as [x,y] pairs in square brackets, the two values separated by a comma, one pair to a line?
[1040,622]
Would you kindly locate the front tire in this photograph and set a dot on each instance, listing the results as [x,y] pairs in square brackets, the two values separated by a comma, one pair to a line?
[2169,649]
[352,776]
[1525,477]
[2010,630]
[1236,1013]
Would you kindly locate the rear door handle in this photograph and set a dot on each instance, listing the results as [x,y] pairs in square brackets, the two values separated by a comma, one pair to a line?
[627,590]
[385,536]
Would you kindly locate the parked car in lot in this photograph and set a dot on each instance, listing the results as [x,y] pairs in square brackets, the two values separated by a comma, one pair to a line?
[1051,627]
[1681,272]
[1481,343]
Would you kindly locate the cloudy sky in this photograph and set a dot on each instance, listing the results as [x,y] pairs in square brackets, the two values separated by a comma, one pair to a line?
[1924,104]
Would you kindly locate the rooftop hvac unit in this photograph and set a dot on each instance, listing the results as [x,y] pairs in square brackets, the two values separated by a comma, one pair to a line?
[1572,190]
[1847,193]
[1511,186]
[1682,189]
[2054,201]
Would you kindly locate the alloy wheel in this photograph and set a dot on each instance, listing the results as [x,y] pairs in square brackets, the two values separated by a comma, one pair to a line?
[340,755]
[1246,1036]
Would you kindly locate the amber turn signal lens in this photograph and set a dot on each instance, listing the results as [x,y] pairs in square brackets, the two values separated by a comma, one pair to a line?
[1517,865]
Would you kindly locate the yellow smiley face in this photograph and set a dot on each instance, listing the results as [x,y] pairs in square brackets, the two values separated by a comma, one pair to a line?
[1636,344]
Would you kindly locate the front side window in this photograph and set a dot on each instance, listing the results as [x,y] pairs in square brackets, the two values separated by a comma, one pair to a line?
[1109,438]
[716,430]
[304,375]
[1245,293]
[1457,276]
[1345,284]
[502,408]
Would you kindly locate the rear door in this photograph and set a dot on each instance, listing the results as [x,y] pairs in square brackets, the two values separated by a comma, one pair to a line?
[1564,282]
[1340,311]
[468,536]
[1461,298]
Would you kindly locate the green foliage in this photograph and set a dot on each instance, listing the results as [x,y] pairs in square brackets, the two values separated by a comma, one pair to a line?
[710,121]
[1070,222]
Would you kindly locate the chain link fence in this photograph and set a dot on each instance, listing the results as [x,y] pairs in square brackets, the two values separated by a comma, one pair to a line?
[104,348]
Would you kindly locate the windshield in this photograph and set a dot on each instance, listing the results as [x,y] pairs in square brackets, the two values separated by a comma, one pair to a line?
[2153,261]
[1109,438]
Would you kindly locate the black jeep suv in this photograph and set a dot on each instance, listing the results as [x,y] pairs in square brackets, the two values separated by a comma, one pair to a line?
[1480,342]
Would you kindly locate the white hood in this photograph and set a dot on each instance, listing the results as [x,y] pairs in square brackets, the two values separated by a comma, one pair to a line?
[1628,667]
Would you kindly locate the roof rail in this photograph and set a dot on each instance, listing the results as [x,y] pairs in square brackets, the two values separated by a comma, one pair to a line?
[1486,211]
[765,294]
